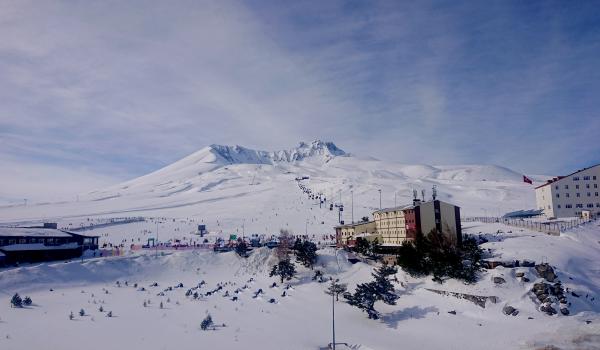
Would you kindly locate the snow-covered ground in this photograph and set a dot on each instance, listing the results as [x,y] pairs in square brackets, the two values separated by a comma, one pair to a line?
[234,190]
[301,320]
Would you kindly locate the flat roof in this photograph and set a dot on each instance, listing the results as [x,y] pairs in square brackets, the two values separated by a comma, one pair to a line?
[401,207]
[32,232]
[355,224]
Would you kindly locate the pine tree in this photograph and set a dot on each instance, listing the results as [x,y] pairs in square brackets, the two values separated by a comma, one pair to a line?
[71,316]
[306,253]
[336,289]
[27,301]
[101,309]
[81,312]
[380,289]
[241,248]
[16,301]
[161,305]
[109,314]
[285,269]
[206,323]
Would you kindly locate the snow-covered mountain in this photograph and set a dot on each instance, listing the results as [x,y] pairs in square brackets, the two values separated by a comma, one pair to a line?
[227,186]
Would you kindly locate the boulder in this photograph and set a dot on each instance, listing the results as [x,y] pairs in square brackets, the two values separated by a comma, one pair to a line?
[453,312]
[519,274]
[509,310]
[498,280]
[548,309]
[545,271]
[564,311]
[525,279]
[526,263]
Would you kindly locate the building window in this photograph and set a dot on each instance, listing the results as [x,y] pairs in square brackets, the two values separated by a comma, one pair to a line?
[557,195]
[587,185]
[596,194]
[566,187]
[577,194]
[590,205]
[568,195]
[559,206]
[575,178]
[594,177]
[22,241]
[589,194]
[586,177]
[595,185]
[576,187]
[556,187]
[597,205]
[569,206]
[579,206]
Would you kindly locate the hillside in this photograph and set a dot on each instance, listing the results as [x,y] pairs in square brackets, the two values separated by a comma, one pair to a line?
[225,186]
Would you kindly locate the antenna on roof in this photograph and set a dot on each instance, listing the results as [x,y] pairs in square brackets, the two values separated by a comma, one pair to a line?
[423,195]
[415,195]
[434,192]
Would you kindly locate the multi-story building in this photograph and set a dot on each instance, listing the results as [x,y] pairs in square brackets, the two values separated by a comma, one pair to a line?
[346,234]
[399,224]
[390,224]
[571,195]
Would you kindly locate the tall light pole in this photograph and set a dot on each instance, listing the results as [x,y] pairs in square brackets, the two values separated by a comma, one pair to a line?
[395,195]
[156,244]
[333,312]
[379,199]
[352,194]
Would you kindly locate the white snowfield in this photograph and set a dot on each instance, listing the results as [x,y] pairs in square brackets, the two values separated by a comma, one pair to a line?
[234,188]
[301,319]
[237,190]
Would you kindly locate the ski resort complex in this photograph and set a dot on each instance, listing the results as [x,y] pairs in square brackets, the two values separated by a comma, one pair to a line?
[299,175]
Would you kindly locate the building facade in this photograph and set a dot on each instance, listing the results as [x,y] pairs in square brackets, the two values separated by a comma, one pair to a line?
[30,244]
[442,217]
[346,234]
[390,225]
[571,195]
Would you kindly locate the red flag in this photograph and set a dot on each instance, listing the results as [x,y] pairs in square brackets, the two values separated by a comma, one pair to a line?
[528,180]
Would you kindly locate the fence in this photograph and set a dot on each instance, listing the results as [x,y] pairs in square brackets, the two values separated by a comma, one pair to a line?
[551,228]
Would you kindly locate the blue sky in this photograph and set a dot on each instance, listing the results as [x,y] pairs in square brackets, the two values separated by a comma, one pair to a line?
[96,92]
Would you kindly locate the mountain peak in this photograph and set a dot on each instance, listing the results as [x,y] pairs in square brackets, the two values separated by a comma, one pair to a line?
[242,155]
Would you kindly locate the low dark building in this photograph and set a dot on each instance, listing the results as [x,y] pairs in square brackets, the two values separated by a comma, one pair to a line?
[32,244]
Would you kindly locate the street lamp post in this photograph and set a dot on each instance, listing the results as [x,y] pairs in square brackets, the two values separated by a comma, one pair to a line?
[352,194]
[379,199]
[156,244]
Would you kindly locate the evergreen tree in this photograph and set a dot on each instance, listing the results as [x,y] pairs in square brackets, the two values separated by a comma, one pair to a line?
[81,312]
[101,309]
[362,246]
[380,289]
[285,269]
[71,316]
[241,248]
[434,254]
[306,254]
[336,289]
[16,301]
[109,314]
[27,301]
[206,323]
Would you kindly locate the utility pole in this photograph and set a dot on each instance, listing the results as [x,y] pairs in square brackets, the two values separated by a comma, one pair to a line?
[352,194]
[333,313]
[306,228]
[395,202]
[379,199]
[156,244]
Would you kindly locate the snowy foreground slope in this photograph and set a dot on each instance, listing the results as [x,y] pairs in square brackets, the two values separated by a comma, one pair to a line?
[302,319]
[227,187]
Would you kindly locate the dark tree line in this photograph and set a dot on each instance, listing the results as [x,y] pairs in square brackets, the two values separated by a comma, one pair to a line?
[434,254]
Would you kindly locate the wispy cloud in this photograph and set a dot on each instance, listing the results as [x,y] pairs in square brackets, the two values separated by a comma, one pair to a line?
[121,88]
